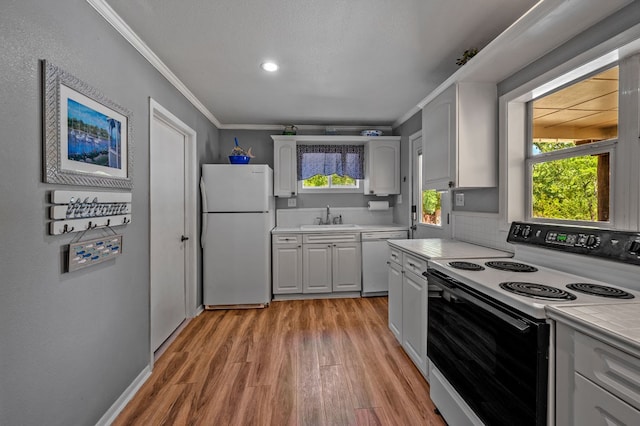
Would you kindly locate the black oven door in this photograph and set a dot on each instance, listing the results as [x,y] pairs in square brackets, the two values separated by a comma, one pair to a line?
[494,357]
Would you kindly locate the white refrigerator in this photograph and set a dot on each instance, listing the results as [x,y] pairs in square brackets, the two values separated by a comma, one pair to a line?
[238,215]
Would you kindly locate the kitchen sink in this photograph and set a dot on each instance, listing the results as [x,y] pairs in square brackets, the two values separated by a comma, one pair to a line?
[330,227]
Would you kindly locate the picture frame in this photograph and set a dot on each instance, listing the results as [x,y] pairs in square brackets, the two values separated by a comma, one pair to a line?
[88,138]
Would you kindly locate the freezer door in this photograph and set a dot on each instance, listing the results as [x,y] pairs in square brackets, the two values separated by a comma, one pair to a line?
[237,259]
[236,188]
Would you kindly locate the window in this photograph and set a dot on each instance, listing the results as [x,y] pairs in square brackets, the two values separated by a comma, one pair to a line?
[330,168]
[574,132]
[333,181]
[430,202]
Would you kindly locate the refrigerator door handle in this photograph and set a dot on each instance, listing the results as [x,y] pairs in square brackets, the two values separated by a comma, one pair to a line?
[204,210]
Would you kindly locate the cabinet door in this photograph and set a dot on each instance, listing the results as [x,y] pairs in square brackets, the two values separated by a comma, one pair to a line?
[316,264]
[383,167]
[438,140]
[287,268]
[395,300]
[347,267]
[414,319]
[285,183]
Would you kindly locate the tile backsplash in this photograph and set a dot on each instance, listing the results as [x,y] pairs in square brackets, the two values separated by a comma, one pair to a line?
[482,229]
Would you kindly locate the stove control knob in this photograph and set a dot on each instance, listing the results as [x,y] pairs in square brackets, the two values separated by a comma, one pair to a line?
[592,242]
[635,247]
[526,231]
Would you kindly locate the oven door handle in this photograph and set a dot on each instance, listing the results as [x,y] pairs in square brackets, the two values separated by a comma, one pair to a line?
[459,294]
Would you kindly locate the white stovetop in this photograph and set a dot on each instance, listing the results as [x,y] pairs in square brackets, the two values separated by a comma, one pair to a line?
[488,282]
[436,248]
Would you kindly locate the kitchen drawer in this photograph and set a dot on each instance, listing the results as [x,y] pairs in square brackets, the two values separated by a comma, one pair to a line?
[608,367]
[395,255]
[413,264]
[595,406]
[330,238]
[286,239]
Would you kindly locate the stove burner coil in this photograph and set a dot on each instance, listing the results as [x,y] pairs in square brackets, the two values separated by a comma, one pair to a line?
[538,291]
[466,266]
[511,266]
[600,290]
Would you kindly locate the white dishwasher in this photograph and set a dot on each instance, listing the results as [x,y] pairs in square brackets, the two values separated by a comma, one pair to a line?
[375,252]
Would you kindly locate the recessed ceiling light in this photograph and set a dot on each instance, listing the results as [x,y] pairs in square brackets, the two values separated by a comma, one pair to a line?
[269,66]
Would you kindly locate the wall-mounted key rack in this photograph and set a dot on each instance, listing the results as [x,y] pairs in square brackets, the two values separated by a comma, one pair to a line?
[77,211]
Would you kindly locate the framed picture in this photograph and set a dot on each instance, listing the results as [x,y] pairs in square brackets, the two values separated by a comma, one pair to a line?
[87,137]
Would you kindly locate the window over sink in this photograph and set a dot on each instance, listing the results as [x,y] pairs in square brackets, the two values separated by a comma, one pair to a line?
[330,168]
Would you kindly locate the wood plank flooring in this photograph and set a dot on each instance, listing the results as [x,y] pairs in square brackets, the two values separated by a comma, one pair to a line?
[309,362]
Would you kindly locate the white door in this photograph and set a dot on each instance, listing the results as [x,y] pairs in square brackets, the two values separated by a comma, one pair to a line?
[433,208]
[167,177]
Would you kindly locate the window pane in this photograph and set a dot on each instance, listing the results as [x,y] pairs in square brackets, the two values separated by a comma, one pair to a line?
[431,207]
[574,188]
[579,114]
[317,181]
[342,181]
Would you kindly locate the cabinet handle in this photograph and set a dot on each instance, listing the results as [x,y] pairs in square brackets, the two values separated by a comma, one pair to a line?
[293,193]
[371,191]
[412,265]
[299,245]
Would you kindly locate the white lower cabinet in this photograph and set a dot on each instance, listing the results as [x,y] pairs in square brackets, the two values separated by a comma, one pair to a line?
[346,269]
[317,268]
[414,319]
[595,383]
[395,300]
[287,264]
[316,263]
[408,306]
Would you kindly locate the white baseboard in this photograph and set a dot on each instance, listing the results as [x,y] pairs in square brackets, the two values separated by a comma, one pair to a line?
[124,399]
[199,310]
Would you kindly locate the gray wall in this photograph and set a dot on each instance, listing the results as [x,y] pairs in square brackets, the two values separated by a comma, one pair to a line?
[402,212]
[71,343]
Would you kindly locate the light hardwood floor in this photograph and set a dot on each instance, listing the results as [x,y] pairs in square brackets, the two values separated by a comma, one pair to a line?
[312,362]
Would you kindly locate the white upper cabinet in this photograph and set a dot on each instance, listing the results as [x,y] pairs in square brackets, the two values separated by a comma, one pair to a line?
[382,166]
[382,162]
[285,167]
[459,138]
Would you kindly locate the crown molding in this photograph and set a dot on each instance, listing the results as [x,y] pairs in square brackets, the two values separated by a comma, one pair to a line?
[125,30]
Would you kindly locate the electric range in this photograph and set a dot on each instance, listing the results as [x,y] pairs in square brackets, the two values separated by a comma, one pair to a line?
[489,340]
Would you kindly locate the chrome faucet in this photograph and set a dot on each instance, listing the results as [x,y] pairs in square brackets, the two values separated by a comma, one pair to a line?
[328,220]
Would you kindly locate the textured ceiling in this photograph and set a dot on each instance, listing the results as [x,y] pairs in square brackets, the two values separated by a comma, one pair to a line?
[349,62]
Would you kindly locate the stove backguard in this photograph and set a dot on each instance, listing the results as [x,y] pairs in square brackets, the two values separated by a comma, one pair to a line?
[620,246]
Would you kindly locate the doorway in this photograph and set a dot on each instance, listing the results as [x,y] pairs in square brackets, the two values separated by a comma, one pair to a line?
[432,208]
[173,223]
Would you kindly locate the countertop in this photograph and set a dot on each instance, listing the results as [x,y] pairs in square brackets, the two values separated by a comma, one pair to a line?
[615,323]
[432,248]
[329,228]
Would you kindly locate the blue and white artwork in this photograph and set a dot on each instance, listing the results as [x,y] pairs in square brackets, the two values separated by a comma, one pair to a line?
[93,137]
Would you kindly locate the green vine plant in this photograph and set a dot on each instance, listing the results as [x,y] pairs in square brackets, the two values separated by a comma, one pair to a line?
[468,54]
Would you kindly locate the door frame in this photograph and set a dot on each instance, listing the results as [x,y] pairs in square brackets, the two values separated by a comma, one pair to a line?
[412,140]
[158,112]
[433,231]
